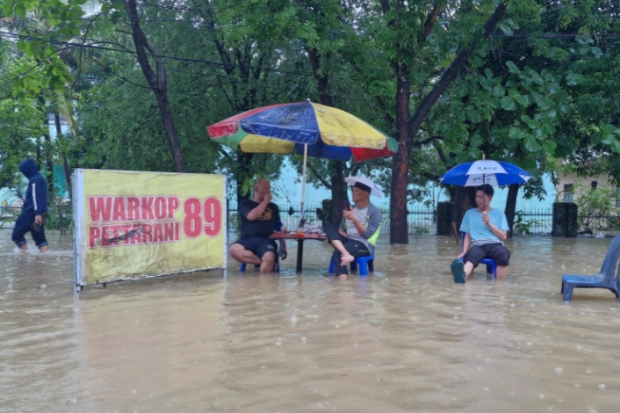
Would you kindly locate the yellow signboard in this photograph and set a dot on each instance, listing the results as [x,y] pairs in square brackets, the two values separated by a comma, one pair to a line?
[132,225]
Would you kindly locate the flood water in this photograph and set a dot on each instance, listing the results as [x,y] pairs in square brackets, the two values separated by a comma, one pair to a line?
[406,339]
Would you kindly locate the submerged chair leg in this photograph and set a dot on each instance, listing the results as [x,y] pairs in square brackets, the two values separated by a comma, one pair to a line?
[363,268]
[568,292]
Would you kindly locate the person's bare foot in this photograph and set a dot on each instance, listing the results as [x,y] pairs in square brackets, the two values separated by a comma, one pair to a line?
[24,247]
[43,249]
[346,260]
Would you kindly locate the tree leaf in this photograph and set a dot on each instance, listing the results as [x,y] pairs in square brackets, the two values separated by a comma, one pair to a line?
[531,143]
[20,10]
[498,90]
[508,103]
[549,146]
[512,67]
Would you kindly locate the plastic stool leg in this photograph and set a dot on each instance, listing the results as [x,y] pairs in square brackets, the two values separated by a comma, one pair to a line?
[363,267]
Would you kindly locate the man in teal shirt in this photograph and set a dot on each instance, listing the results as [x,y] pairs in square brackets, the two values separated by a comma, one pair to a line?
[485,230]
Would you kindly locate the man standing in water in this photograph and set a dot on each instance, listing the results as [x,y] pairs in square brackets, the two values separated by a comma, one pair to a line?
[259,219]
[358,231]
[485,230]
[34,209]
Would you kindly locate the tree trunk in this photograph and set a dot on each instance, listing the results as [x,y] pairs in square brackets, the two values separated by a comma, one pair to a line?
[244,172]
[511,206]
[157,82]
[65,163]
[399,233]
[339,187]
[49,163]
[339,192]
[398,196]
[464,200]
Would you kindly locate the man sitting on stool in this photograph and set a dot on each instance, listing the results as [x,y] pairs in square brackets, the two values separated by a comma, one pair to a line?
[259,219]
[358,230]
[485,230]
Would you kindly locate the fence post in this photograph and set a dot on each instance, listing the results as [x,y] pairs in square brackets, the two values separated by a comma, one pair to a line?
[564,222]
[444,218]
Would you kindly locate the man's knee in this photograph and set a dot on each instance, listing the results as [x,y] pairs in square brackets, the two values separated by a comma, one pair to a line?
[501,256]
[235,250]
[269,256]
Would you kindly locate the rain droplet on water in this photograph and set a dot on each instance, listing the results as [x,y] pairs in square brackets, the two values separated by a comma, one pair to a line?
[601,386]
[558,370]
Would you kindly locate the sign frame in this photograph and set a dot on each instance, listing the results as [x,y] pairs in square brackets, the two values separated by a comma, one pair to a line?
[80,239]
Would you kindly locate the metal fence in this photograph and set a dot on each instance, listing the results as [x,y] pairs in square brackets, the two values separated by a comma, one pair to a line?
[419,221]
[538,221]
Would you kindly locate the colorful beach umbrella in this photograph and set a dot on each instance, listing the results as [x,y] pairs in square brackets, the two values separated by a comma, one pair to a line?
[307,128]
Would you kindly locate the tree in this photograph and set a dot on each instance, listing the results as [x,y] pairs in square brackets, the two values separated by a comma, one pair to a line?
[157,79]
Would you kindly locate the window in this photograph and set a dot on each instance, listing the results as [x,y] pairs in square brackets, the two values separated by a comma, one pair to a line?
[568,193]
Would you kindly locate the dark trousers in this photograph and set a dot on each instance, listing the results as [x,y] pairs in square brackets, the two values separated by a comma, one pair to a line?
[355,248]
[23,225]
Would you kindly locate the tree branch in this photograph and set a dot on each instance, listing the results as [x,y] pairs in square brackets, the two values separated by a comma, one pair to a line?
[450,74]
[318,176]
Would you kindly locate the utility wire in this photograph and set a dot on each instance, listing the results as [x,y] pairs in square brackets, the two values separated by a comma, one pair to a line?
[178,58]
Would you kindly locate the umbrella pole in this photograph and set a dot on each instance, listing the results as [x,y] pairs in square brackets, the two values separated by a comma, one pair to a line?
[484,193]
[303,182]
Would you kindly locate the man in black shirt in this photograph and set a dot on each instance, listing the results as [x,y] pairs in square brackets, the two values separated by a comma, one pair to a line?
[259,219]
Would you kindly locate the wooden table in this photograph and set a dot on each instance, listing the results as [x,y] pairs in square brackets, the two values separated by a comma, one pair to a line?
[300,242]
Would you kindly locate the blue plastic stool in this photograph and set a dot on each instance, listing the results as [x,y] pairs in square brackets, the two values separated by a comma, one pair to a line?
[366,264]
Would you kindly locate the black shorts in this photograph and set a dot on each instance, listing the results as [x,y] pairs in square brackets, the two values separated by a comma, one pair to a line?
[259,246]
[497,252]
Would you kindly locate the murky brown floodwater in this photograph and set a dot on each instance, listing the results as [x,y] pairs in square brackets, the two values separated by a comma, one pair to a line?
[405,339]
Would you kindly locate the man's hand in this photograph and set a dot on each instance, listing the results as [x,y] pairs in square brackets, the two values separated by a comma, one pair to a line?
[283,254]
[268,197]
[344,234]
[38,219]
[349,214]
[461,255]
[485,218]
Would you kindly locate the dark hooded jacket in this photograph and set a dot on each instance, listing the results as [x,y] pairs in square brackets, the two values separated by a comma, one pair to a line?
[36,194]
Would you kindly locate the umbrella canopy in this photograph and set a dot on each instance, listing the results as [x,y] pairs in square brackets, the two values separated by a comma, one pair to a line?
[324,131]
[496,173]
[374,189]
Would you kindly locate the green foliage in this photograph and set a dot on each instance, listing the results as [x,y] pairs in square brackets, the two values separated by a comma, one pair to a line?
[594,206]
[21,125]
[40,28]
[523,226]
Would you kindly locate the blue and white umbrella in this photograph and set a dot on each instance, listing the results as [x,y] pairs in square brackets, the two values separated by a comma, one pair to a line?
[495,173]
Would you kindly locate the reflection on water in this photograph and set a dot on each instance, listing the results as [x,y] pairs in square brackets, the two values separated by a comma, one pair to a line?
[405,339]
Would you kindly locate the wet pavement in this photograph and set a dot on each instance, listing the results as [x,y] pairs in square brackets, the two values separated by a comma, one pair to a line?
[406,339]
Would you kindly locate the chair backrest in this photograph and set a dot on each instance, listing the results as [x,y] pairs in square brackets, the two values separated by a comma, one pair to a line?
[610,265]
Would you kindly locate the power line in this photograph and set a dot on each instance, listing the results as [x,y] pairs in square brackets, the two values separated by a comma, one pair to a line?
[177,58]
